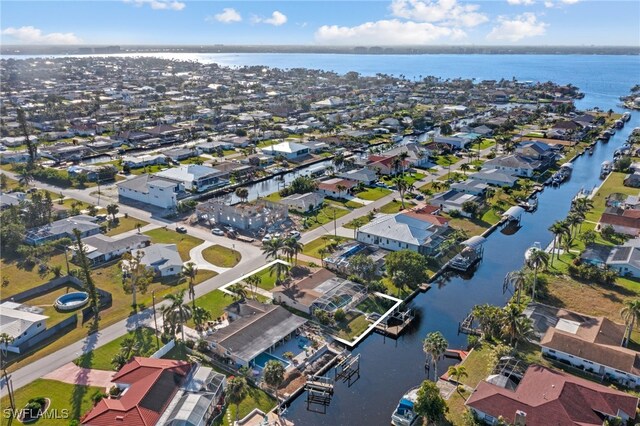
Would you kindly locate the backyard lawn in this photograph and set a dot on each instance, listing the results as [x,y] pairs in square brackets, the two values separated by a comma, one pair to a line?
[273,197]
[395,207]
[352,327]
[312,248]
[614,183]
[214,302]
[124,224]
[184,242]
[373,194]
[221,256]
[255,398]
[75,399]
[100,358]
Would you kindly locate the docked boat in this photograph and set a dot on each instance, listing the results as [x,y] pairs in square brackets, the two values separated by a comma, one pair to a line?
[404,414]
[535,247]
[605,169]
[591,151]
[619,124]
[626,116]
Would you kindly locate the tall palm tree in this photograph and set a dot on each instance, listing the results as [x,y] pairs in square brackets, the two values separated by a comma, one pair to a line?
[630,314]
[457,372]
[293,247]
[402,186]
[190,271]
[279,269]
[200,316]
[435,345]
[537,259]
[515,325]
[253,282]
[25,177]
[573,220]
[558,228]
[236,391]
[272,247]
[403,157]
[583,204]
[239,292]
[517,279]
[129,346]
[177,312]
[273,375]
[113,210]
[465,167]
[341,188]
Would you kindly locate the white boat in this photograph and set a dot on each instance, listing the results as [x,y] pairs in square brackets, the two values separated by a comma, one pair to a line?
[530,250]
[404,414]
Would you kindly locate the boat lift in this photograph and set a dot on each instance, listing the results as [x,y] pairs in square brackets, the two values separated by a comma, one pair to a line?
[347,368]
[319,393]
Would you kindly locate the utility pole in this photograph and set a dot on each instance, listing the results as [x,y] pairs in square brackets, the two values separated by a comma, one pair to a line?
[155,319]
[7,381]
[335,226]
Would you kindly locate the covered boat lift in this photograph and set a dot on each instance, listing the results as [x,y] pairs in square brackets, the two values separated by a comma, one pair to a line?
[513,214]
[470,254]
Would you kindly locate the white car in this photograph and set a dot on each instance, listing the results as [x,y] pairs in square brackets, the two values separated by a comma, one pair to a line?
[217,231]
[295,234]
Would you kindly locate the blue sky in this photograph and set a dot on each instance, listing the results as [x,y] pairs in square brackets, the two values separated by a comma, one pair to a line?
[390,22]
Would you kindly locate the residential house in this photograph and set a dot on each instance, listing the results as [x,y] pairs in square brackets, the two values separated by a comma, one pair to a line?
[20,324]
[548,397]
[8,199]
[136,162]
[386,165]
[364,175]
[150,189]
[537,151]
[632,180]
[596,255]
[623,221]
[517,165]
[451,142]
[417,155]
[418,230]
[245,216]
[63,228]
[494,177]
[453,200]
[470,186]
[255,328]
[103,248]
[179,154]
[194,177]
[303,202]
[625,259]
[330,188]
[164,259]
[100,173]
[288,150]
[160,392]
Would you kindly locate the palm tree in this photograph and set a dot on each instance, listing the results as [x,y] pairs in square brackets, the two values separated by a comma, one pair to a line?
[457,372]
[25,177]
[279,269]
[113,210]
[272,247]
[189,271]
[403,157]
[5,340]
[239,292]
[236,391]
[630,314]
[402,186]
[537,259]
[515,325]
[129,346]
[435,345]
[200,316]
[517,279]
[273,375]
[465,167]
[293,247]
[177,312]
[253,282]
[574,219]
[582,204]
[242,193]
[338,160]
[558,228]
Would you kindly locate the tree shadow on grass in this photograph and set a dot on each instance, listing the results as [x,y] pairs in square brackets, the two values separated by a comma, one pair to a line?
[81,379]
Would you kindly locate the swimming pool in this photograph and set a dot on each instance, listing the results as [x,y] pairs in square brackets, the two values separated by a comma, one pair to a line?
[262,359]
[71,301]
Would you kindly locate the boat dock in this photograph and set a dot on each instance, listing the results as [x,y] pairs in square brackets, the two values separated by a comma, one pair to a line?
[466,327]
[396,323]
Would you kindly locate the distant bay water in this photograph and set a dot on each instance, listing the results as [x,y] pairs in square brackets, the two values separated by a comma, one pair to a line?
[603,78]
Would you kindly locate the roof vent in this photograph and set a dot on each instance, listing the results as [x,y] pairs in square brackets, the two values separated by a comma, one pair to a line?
[120,418]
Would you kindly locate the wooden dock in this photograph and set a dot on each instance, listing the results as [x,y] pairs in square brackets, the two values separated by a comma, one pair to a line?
[399,322]
[424,287]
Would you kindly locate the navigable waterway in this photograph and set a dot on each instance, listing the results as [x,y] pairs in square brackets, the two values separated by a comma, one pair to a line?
[388,367]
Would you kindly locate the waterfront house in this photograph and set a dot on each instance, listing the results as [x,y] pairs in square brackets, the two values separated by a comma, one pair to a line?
[19,323]
[596,255]
[303,202]
[452,200]
[150,189]
[470,186]
[245,216]
[63,228]
[255,328]
[160,392]
[417,155]
[623,221]
[164,259]
[451,142]
[386,164]
[633,179]
[329,187]
[494,177]
[196,178]
[288,150]
[364,175]
[136,162]
[548,397]
[625,259]
[179,154]
[517,165]
[417,230]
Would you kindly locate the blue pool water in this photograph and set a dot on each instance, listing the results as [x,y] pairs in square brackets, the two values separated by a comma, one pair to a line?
[262,359]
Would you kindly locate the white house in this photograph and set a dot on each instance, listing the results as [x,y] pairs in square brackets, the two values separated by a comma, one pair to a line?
[136,162]
[515,164]
[19,324]
[103,248]
[150,189]
[453,200]
[303,202]
[289,150]
[195,177]
[495,177]
[366,176]
[415,230]
[163,258]
[625,259]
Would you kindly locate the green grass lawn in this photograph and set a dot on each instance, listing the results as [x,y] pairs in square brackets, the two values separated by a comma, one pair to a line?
[410,178]
[323,216]
[150,169]
[352,327]
[221,256]
[446,160]
[100,358]
[195,160]
[395,207]
[214,302]
[75,399]
[357,222]
[184,242]
[255,398]
[273,197]
[614,183]
[373,194]
[478,365]
[267,279]
[313,248]
[124,224]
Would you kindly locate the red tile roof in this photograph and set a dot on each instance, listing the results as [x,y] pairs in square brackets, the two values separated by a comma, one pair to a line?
[427,217]
[332,184]
[152,384]
[550,397]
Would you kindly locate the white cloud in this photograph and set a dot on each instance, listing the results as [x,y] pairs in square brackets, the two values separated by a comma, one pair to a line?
[159,4]
[277,18]
[522,26]
[34,35]
[227,16]
[444,12]
[548,4]
[521,2]
[385,33]
[569,1]
[559,3]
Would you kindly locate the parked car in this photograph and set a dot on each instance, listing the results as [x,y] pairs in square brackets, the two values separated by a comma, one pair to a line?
[419,197]
[267,238]
[181,229]
[218,232]
[295,234]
